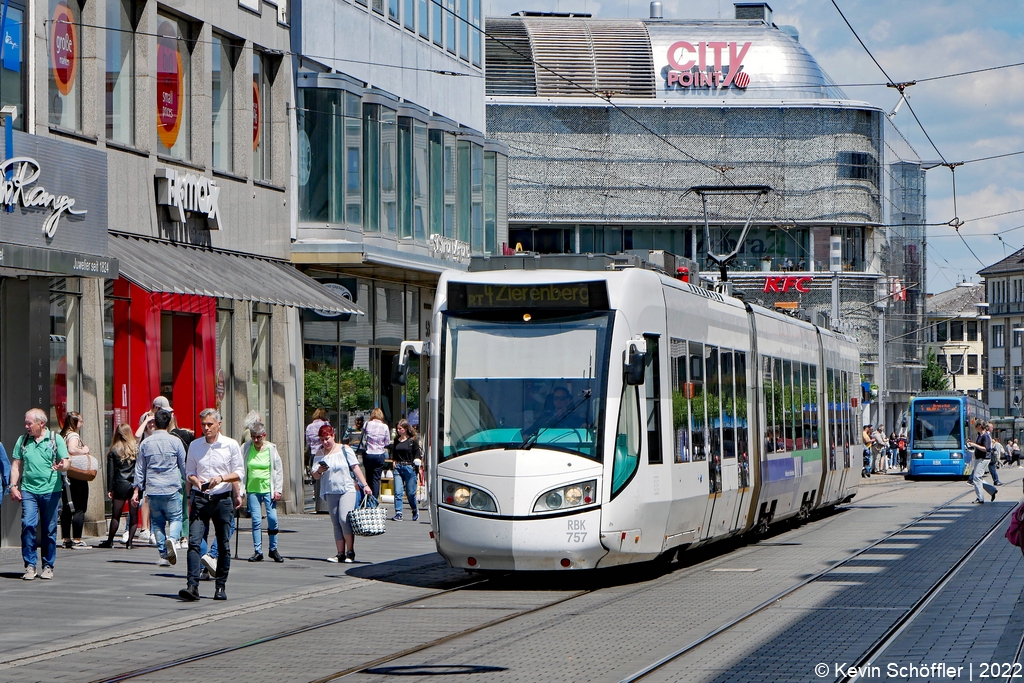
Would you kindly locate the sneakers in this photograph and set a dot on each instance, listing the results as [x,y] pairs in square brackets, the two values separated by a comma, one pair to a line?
[204,575]
[220,593]
[336,558]
[210,563]
[416,517]
[124,535]
[350,556]
[47,572]
[256,557]
[163,562]
[80,545]
[67,544]
[189,593]
[144,536]
[30,572]
[275,556]
[171,554]
[183,544]
[397,518]
[105,544]
[993,494]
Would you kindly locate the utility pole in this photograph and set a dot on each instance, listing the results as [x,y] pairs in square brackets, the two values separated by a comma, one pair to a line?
[882,303]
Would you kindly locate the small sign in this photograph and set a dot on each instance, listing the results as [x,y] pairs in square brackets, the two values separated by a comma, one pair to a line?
[188,193]
[12,45]
[448,249]
[256,119]
[784,284]
[63,42]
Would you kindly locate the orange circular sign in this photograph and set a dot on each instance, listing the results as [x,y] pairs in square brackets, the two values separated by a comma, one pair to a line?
[256,104]
[169,82]
[63,42]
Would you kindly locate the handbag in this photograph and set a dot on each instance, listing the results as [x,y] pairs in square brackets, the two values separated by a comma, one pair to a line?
[83,462]
[368,519]
[1015,534]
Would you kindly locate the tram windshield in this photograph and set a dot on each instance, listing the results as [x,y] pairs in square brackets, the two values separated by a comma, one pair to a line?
[937,425]
[523,384]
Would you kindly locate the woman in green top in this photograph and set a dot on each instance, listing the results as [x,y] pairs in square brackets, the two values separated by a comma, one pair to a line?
[264,480]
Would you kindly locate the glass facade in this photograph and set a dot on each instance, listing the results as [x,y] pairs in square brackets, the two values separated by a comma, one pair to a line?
[120,84]
[12,67]
[261,117]
[223,98]
[174,87]
[65,349]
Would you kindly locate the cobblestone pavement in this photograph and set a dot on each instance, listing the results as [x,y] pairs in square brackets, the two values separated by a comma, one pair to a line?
[113,611]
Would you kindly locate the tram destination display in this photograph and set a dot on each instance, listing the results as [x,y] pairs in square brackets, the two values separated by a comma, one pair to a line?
[577,296]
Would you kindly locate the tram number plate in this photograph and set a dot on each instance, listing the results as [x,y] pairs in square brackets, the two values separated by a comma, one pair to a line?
[576,531]
[936,462]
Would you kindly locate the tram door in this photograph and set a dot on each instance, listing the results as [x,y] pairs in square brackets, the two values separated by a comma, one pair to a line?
[719,422]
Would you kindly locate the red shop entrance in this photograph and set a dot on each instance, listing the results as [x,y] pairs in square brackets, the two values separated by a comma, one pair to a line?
[164,344]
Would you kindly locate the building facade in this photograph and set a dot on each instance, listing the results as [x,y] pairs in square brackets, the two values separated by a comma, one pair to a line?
[955,332]
[395,181]
[177,116]
[1004,341]
[630,134]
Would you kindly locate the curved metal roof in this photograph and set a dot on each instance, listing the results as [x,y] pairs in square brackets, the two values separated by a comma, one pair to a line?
[667,61]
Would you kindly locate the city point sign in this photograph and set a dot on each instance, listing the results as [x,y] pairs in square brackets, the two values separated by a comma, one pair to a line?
[684,56]
[784,284]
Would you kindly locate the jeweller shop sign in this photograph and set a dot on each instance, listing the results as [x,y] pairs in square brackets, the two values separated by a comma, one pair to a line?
[53,195]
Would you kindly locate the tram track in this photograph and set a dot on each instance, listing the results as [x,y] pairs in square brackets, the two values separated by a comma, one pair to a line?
[736,621]
[482,583]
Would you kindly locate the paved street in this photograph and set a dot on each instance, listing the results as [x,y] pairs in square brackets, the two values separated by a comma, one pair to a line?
[109,612]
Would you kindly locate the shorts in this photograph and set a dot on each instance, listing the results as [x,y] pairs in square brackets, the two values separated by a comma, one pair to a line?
[339,505]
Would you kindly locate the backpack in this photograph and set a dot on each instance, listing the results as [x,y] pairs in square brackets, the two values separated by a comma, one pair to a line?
[1015,534]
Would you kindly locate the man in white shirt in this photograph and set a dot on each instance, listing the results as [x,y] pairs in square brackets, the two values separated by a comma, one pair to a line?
[212,469]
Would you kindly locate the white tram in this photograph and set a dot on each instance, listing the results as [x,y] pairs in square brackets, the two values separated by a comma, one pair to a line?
[590,419]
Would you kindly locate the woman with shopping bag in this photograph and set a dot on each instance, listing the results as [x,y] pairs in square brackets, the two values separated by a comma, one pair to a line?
[338,473]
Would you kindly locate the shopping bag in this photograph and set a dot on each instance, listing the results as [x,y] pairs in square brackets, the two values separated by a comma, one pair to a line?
[368,519]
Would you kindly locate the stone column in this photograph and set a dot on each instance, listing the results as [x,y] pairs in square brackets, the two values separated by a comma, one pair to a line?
[92,407]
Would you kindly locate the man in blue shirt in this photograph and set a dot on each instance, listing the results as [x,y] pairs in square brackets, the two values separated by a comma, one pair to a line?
[159,471]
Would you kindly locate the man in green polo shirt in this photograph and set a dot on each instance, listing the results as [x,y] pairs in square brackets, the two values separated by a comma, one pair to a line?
[38,464]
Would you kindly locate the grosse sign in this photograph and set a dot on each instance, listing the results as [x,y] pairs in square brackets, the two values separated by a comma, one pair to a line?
[703,65]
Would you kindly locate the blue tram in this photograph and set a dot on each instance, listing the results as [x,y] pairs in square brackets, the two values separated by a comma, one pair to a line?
[940,426]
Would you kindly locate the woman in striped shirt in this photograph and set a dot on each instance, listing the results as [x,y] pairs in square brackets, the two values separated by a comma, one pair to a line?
[376,439]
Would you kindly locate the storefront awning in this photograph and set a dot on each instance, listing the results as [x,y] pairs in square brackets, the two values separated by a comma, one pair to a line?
[184,269]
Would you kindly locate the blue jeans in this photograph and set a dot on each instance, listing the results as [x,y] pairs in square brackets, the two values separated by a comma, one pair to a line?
[992,463]
[257,520]
[34,506]
[405,478]
[978,479]
[220,513]
[212,548]
[165,511]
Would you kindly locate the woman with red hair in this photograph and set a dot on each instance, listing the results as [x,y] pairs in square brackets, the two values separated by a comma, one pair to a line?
[338,473]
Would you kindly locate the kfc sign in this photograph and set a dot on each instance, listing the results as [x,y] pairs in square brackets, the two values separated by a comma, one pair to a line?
[781,285]
[689,67]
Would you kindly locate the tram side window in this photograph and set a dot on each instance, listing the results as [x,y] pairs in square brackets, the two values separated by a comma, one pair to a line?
[713,393]
[847,419]
[740,372]
[728,405]
[811,421]
[652,388]
[698,404]
[768,384]
[785,368]
[627,439]
[681,394]
[830,402]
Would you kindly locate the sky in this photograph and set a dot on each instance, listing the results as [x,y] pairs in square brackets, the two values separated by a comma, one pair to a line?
[967,117]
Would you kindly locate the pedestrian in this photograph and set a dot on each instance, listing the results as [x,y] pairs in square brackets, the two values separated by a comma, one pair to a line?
[121,483]
[213,466]
[982,446]
[159,471]
[404,452]
[865,436]
[894,450]
[880,449]
[901,445]
[40,459]
[146,428]
[313,437]
[1015,454]
[995,458]
[376,439]
[187,436]
[81,470]
[264,481]
[338,471]
[5,473]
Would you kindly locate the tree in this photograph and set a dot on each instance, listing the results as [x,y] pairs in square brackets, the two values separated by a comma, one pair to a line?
[934,377]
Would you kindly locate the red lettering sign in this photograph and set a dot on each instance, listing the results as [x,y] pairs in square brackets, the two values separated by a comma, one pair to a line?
[781,285]
[256,119]
[680,73]
[63,48]
[168,84]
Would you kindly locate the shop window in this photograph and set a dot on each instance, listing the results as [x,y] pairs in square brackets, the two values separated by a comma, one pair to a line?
[358,329]
[259,380]
[464,194]
[320,380]
[393,9]
[224,390]
[476,208]
[174,86]
[330,156]
[12,68]
[490,203]
[405,179]
[425,19]
[224,57]
[477,61]
[389,314]
[65,55]
[262,115]
[438,22]
[65,349]
[122,17]
[450,15]
[450,185]
[389,170]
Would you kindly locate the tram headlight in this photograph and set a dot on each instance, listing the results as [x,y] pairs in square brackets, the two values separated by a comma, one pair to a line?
[463,496]
[956,455]
[565,497]
[917,455]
